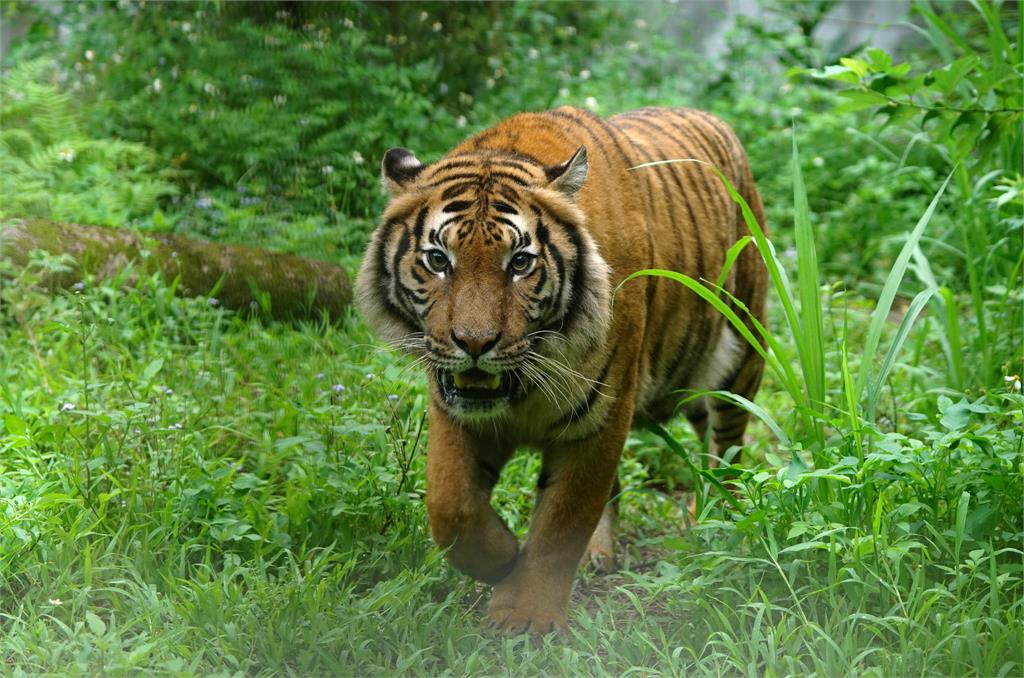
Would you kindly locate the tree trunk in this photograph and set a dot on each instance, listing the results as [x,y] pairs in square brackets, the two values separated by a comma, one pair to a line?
[244,278]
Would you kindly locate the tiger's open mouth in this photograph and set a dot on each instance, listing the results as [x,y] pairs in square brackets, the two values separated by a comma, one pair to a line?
[475,388]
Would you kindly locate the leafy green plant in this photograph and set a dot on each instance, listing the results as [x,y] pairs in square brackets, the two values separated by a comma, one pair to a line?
[969,111]
[49,167]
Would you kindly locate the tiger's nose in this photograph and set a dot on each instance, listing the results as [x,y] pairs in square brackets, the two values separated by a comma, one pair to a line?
[475,343]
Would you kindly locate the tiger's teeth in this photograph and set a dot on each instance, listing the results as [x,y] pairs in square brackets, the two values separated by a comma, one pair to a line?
[460,381]
[495,382]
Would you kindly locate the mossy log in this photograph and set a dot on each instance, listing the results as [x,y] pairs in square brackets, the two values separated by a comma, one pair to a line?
[243,278]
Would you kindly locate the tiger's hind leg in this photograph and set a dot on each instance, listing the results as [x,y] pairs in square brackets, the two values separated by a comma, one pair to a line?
[728,420]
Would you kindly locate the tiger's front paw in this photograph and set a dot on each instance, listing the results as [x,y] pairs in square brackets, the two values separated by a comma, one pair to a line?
[527,616]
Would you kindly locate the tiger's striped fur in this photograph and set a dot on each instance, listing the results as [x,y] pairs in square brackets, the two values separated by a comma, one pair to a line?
[496,265]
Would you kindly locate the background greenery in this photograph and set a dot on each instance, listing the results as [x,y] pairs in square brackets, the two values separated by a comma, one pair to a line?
[187,491]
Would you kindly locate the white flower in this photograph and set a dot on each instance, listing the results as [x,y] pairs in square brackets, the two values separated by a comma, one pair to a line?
[640,24]
[585,74]
[591,103]
[1013,381]
[157,85]
[436,27]
[796,111]
[632,45]
[532,53]
[280,100]
[209,88]
[564,92]
[56,601]
[67,154]
[818,161]
[357,158]
[423,16]
[89,55]
[347,23]
[327,169]
[489,83]
[186,27]
[460,121]
[67,406]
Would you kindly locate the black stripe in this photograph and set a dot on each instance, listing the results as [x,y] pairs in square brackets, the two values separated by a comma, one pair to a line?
[576,291]
[583,408]
[445,165]
[458,189]
[457,206]
[514,178]
[729,432]
[505,207]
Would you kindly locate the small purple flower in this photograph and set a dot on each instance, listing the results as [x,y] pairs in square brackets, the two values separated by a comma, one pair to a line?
[338,388]
[369,375]
[392,397]
[67,406]
[204,203]
[212,301]
[78,286]
[319,375]
[175,427]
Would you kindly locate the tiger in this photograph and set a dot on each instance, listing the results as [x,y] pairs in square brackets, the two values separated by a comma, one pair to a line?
[497,267]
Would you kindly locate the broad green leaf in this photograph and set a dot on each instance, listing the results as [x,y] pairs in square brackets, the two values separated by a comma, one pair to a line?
[858,99]
[152,369]
[14,425]
[946,79]
[96,624]
[858,66]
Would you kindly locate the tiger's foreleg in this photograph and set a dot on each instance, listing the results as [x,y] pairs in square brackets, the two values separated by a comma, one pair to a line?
[534,597]
[462,470]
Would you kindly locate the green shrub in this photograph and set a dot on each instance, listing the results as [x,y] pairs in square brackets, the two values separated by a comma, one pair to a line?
[49,167]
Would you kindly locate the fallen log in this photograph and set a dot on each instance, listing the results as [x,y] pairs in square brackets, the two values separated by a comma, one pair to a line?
[240,277]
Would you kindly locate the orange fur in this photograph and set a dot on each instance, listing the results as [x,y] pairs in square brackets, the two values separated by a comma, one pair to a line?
[444,276]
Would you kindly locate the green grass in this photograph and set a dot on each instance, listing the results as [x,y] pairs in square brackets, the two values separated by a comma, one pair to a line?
[184,490]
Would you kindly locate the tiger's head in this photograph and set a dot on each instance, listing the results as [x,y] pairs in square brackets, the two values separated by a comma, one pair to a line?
[484,268]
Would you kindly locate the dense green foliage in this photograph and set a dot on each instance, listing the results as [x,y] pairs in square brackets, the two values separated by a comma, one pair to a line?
[185,490]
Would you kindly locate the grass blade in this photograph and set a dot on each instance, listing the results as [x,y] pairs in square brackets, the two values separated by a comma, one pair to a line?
[916,306]
[811,338]
[892,283]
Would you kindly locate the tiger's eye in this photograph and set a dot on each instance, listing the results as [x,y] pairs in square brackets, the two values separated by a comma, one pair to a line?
[521,263]
[437,261]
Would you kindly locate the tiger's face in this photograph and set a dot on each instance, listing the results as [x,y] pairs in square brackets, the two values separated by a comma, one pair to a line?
[483,268]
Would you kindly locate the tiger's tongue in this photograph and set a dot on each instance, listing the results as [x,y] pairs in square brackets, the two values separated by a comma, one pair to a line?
[477,378]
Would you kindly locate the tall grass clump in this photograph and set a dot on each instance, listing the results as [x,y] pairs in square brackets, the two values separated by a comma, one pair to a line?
[885,503]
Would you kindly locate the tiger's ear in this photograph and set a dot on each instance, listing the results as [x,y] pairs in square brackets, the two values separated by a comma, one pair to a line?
[568,177]
[399,170]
